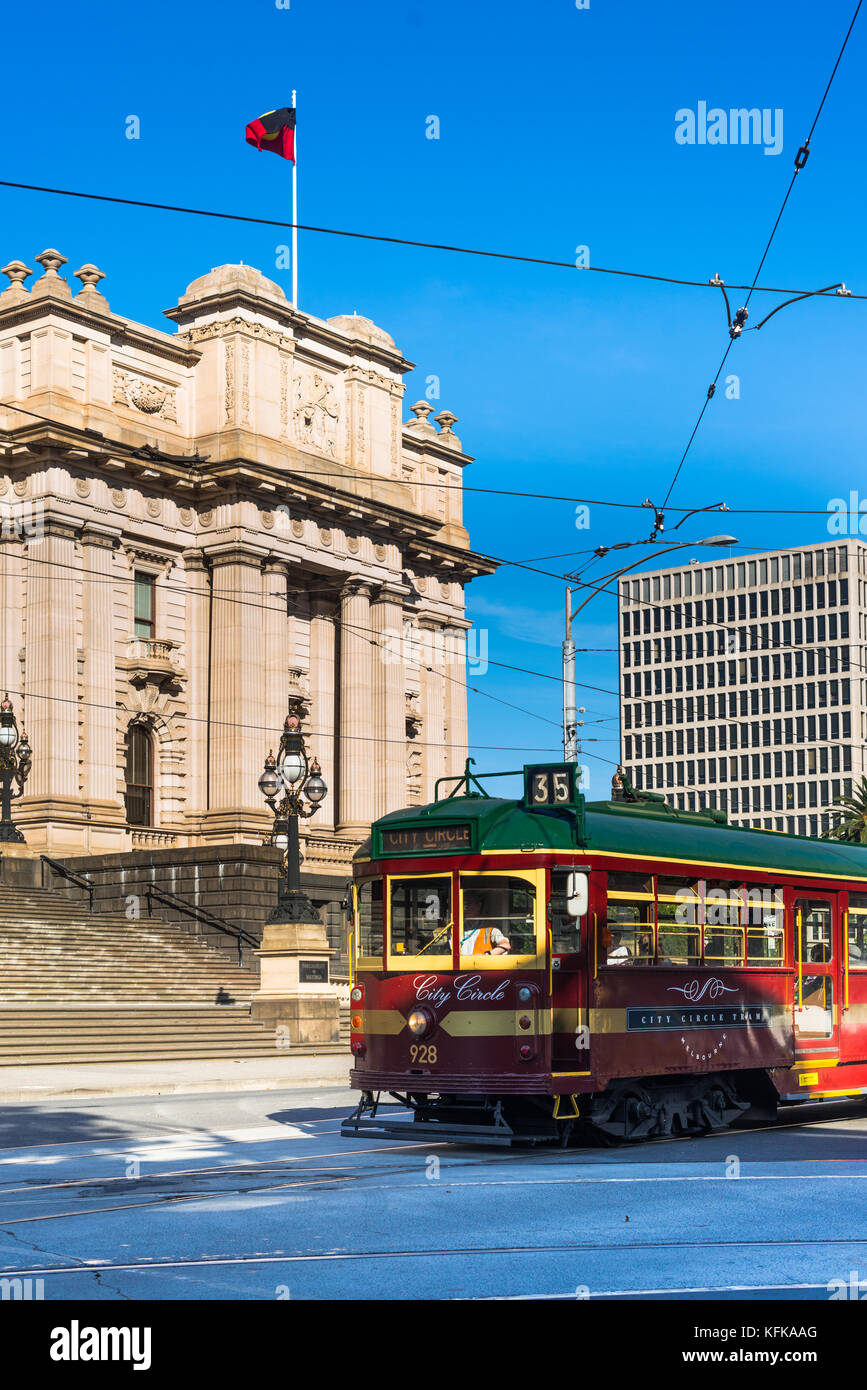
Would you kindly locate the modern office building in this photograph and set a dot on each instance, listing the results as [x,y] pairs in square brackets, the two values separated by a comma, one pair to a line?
[743,683]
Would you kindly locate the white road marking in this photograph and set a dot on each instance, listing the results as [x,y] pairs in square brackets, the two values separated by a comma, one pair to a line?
[647,1293]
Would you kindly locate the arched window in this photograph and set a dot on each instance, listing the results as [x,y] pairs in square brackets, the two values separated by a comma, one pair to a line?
[139,776]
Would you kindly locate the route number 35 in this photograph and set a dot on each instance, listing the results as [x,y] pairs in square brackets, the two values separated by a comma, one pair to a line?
[551,788]
[423,1053]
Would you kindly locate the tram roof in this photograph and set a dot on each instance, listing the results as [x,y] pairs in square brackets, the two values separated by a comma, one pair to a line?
[651,830]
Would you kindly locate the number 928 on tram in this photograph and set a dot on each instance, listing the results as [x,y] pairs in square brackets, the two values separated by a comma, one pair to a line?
[534,970]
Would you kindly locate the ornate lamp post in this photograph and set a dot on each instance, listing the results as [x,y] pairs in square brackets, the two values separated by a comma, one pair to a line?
[16,756]
[292,773]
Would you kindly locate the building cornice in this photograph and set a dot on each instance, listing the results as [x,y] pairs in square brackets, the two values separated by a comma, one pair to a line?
[28,313]
[300,327]
[39,444]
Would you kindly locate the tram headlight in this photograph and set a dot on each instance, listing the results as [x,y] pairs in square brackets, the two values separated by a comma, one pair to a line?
[419,1022]
[525,994]
[357,995]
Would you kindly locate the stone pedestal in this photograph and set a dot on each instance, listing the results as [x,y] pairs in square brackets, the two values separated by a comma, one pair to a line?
[308,1008]
[20,867]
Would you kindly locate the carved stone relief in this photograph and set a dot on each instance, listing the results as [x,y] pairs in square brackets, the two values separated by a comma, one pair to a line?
[245,380]
[147,397]
[316,413]
[230,381]
[284,396]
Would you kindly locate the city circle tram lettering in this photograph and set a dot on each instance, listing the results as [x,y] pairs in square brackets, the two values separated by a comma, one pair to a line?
[427,837]
[730,1016]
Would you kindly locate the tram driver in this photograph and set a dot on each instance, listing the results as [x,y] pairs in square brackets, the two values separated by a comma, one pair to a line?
[618,952]
[480,938]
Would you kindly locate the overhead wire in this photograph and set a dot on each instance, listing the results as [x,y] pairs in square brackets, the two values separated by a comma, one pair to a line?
[295,480]
[371,236]
[735,333]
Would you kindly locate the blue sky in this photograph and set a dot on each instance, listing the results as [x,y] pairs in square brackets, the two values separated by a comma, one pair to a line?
[557,129]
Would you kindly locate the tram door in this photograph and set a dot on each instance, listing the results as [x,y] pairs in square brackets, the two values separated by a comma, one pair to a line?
[817,976]
[570,1041]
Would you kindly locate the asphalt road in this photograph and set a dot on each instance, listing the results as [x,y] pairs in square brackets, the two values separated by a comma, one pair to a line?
[256,1196]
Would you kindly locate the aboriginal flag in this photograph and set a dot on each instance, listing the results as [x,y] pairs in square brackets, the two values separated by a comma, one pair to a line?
[275,131]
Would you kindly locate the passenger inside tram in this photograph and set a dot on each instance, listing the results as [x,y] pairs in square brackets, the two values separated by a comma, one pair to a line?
[479,936]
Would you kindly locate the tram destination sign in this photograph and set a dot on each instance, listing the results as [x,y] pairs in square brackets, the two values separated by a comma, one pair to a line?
[552,784]
[427,839]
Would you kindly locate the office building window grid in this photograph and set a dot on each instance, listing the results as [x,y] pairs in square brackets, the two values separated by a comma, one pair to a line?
[743,684]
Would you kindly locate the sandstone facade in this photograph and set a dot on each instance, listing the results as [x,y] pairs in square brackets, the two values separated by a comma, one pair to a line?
[249,482]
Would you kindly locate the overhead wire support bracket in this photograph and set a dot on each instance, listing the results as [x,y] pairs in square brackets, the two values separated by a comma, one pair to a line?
[839,287]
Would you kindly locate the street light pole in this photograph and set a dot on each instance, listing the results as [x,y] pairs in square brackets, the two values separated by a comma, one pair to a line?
[291,772]
[570,715]
[570,697]
[16,757]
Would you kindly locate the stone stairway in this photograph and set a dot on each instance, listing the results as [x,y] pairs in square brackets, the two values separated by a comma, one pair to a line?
[76,987]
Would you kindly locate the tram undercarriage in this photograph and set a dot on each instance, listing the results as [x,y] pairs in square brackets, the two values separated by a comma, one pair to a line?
[627,1111]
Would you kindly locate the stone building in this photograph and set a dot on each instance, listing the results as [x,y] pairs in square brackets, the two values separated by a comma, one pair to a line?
[198,524]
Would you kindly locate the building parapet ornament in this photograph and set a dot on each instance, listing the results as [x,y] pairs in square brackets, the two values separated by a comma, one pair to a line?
[17,272]
[50,282]
[421,410]
[90,276]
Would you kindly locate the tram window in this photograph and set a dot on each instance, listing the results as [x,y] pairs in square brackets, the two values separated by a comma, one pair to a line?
[723,922]
[813,928]
[814,1006]
[496,908]
[629,936]
[565,930]
[858,931]
[370,917]
[421,917]
[679,921]
[765,924]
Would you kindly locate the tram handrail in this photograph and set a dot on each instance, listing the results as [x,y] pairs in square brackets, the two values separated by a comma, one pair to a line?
[846,960]
[466,777]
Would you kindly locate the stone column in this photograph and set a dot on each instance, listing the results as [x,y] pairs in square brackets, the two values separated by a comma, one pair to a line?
[198,589]
[321,740]
[456,696]
[359,767]
[51,666]
[389,696]
[13,564]
[275,662]
[238,744]
[100,756]
[433,705]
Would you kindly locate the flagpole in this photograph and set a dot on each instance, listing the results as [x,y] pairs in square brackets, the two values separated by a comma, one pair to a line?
[295,214]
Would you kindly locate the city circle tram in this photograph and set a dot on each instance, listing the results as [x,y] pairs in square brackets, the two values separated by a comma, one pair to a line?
[536,969]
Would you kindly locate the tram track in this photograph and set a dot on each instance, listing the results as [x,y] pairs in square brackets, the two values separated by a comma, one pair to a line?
[535,1159]
[450,1252]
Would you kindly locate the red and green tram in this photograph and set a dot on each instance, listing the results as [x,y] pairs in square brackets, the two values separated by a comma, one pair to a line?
[530,969]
